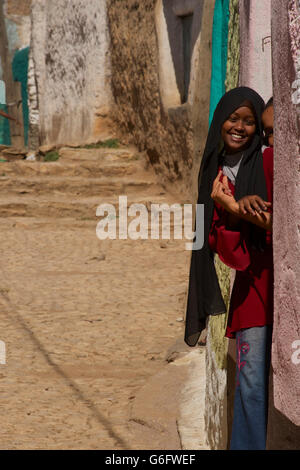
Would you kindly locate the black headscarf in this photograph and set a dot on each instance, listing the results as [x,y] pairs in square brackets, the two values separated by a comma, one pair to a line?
[204,294]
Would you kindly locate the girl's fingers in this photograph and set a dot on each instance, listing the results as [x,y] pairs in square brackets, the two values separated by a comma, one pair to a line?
[242,207]
[259,204]
[258,208]
[218,185]
[217,189]
[248,207]
[217,179]
[225,182]
[227,190]
[253,205]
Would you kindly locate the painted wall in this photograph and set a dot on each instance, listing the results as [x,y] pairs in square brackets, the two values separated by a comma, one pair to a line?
[285,419]
[219,54]
[20,73]
[4,127]
[15,35]
[69,70]
[255,46]
[4,123]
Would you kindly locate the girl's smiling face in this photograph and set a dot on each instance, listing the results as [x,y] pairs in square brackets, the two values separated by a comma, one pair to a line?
[238,130]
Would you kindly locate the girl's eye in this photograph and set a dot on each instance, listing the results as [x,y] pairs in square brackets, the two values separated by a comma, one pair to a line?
[268,133]
[235,119]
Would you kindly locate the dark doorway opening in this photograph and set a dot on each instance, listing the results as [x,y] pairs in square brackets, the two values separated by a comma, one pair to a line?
[186,24]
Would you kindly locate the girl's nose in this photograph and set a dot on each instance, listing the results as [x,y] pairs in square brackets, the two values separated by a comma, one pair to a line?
[239,124]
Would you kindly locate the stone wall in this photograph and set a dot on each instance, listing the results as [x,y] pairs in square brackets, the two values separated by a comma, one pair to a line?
[233,55]
[69,70]
[148,103]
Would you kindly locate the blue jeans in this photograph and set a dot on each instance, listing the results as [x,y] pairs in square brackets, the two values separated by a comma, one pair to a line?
[250,413]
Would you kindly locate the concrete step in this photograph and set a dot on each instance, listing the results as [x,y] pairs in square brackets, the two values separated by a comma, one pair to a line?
[76,207]
[99,155]
[78,186]
[87,169]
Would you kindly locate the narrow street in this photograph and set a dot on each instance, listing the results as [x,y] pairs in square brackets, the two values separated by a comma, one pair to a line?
[86,322]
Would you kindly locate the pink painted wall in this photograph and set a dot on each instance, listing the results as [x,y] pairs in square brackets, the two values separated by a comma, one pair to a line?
[255,46]
[258,69]
[286,237]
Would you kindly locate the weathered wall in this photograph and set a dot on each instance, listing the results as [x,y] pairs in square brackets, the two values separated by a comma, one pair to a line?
[19,8]
[20,74]
[200,90]
[14,39]
[255,46]
[233,55]
[216,370]
[286,335]
[17,22]
[69,70]
[142,67]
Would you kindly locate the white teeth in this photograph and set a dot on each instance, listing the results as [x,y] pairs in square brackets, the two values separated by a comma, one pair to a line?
[237,136]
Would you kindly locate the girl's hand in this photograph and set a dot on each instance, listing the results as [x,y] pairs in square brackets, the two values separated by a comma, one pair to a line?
[221,192]
[253,205]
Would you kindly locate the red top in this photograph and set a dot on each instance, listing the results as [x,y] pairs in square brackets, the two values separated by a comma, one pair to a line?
[251,302]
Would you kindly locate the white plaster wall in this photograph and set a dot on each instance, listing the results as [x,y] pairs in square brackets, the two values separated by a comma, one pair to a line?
[17,29]
[256,58]
[17,26]
[34,115]
[191,421]
[167,81]
[194,71]
[70,54]
[2,92]
[36,71]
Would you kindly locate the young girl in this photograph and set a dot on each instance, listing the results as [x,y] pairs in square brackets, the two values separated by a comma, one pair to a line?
[244,246]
